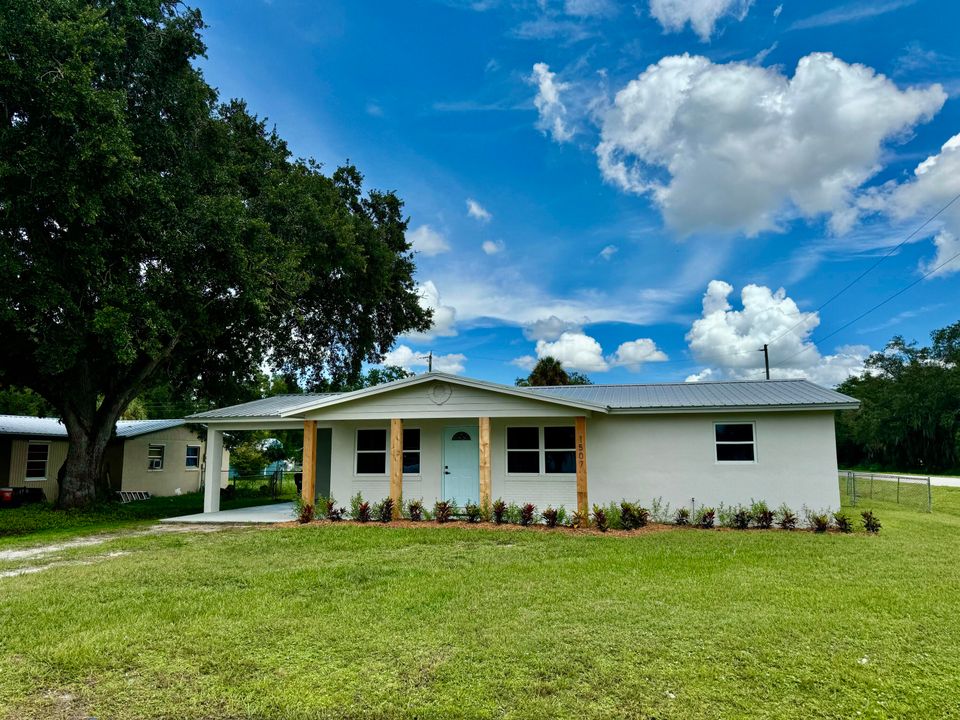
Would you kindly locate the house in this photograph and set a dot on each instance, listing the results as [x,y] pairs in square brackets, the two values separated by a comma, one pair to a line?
[155,456]
[436,436]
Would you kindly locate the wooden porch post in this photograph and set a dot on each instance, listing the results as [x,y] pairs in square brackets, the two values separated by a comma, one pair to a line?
[396,465]
[583,505]
[485,484]
[308,489]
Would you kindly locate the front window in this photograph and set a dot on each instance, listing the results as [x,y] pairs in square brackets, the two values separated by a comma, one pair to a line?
[371,451]
[411,451]
[555,445]
[193,457]
[37,456]
[735,442]
[523,450]
[155,457]
[560,454]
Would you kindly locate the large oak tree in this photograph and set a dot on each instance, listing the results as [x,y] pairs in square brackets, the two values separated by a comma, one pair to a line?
[150,233]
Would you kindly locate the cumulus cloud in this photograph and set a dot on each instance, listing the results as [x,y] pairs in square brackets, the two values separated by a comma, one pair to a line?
[549,328]
[492,247]
[702,15]
[549,103]
[427,241]
[444,316]
[741,148]
[608,252]
[525,362]
[728,340]
[478,211]
[413,360]
[945,261]
[578,351]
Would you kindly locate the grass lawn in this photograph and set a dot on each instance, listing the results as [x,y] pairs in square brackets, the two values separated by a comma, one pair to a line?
[351,621]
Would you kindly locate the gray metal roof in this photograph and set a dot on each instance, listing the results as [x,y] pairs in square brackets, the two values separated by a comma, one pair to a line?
[704,395]
[274,406]
[52,427]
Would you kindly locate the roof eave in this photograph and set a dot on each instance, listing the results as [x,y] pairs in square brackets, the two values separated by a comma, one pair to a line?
[731,408]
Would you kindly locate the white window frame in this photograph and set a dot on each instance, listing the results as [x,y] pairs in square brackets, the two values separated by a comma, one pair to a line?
[716,443]
[46,462]
[186,456]
[418,452]
[541,452]
[163,457]
[357,452]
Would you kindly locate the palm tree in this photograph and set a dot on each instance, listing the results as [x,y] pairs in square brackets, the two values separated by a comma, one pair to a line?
[549,371]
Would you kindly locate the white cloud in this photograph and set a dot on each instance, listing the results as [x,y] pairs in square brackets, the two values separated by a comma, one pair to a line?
[634,353]
[728,341]
[608,252]
[851,12]
[948,248]
[373,109]
[590,8]
[492,247]
[549,104]
[444,316]
[549,328]
[777,10]
[478,211]
[702,15]
[575,351]
[745,147]
[413,360]
[427,241]
[525,362]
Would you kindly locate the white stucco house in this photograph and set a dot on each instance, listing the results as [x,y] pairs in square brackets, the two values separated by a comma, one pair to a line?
[437,436]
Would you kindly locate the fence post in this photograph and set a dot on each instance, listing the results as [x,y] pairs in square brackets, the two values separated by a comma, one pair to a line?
[898,489]
[929,496]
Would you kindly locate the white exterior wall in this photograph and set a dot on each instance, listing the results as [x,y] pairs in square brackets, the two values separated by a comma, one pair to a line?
[175,473]
[633,457]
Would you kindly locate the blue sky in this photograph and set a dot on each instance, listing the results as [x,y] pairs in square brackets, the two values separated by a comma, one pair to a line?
[648,190]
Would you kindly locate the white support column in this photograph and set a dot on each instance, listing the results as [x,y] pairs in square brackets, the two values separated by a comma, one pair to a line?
[212,471]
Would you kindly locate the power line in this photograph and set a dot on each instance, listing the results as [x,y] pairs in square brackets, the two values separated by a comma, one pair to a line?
[871,268]
[879,305]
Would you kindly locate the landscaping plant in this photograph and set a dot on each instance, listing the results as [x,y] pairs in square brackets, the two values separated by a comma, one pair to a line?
[577,520]
[472,512]
[415,510]
[762,515]
[706,517]
[819,522]
[513,513]
[550,517]
[528,513]
[843,522]
[870,522]
[682,517]
[643,517]
[383,511]
[334,514]
[599,518]
[443,511]
[741,518]
[355,503]
[786,519]
[499,512]
[628,515]
[362,513]
[659,511]
[305,514]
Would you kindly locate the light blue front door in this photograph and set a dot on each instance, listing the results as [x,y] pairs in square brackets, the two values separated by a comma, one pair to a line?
[461,465]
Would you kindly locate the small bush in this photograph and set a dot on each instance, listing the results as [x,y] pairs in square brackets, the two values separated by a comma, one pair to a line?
[682,516]
[786,519]
[513,514]
[362,513]
[305,514]
[659,511]
[706,517]
[600,518]
[577,520]
[614,520]
[628,516]
[443,511]
[355,503]
[870,522]
[843,522]
[415,510]
[528,513]
[472,512]
[383,511]
[550,517]
[499,512]
[561,515]
[643,517]
[334,514]
[741,518]
[762,515]
[819,522]
[724,515]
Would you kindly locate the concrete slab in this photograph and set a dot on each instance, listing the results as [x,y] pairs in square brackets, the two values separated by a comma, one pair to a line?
[276,513]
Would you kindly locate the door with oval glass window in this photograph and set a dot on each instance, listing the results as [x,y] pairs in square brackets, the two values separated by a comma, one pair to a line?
[461,464]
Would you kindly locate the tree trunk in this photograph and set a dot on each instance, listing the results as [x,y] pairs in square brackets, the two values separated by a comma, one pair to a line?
[81,477]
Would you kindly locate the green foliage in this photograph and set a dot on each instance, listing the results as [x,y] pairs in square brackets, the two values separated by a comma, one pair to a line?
[152,235]
[383,510]
[682,516]
[549,371]
[528,514]
[628,515]
[499,511]
[415,510]
[550,517]
[843,522]
[443,510]
[870,522]
[578,520]
[762,515]
[472,512]
[741,518]
[785,518]
[819,522]
[705,517]
[513,513]
[600,518]
[363,513]
[22,401]
[909,417]
[333,513]
[355,502]
[248,459]
[305,514]
[612,514]
[660,511]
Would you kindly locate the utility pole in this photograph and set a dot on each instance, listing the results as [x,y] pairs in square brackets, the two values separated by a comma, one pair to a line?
[766,359]
[429,358]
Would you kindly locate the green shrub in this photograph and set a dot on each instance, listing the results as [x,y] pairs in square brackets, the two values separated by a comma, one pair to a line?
[305,514]
[600,518]
[499,512]
[513,514]
[870,522]
[843,522]
[577,520]
[472,512]
[786,519]
[682,517]
[628,516]
[819,522]
[334,514]
[762,515]
[612,512]
[706,517]
[561,515]
[660,511]
[415,510]
[383,510]
[724,515]
[443,510]
[355,502]
[741,518]
[549,517]
[362,513]
[528,514]
[643,517]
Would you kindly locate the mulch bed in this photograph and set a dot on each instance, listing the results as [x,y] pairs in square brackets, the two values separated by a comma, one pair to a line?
[488,526]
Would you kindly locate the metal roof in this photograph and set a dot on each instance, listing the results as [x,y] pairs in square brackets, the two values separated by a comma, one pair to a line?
[769,394]
[705,395]
[52,427]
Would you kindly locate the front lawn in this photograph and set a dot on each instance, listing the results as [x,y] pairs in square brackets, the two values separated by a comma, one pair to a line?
[351,621]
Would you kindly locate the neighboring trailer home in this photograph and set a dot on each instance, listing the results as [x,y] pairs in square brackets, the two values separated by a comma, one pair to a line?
[437,436]
[155,456]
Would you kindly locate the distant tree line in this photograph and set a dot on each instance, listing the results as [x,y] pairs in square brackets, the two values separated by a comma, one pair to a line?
[909,418]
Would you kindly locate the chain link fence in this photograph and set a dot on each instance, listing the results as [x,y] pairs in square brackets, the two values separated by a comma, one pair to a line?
[910,491]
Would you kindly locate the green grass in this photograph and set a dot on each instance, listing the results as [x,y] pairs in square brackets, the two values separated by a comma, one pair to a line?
[373,621]
[31,524]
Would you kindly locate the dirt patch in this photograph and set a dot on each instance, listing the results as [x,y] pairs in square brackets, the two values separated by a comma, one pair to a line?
[31,569]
